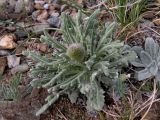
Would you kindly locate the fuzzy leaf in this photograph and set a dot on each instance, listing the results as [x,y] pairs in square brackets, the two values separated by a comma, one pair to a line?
[90,22]
[46,106]
[108,32]
[153,68]
[143,74]
[73,96]
[151,47]
[145,58]
[158,76]
[96,98]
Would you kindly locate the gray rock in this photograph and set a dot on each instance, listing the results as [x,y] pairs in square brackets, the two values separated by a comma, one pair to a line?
[13,61]
[21,34]
[19,6]
[46,6]
[20,68]
[35,14]
[54,21]
[38,29]
[4,52]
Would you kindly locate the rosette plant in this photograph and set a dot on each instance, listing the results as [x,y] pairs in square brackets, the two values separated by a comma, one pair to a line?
[148,59]
[85,58]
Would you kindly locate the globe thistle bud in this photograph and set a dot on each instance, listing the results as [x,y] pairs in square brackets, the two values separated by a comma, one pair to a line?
[76,52]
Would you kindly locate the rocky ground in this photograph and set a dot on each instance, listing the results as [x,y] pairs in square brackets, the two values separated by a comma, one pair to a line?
[21,24]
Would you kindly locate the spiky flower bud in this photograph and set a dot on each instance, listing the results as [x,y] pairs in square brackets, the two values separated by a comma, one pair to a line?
[76,52]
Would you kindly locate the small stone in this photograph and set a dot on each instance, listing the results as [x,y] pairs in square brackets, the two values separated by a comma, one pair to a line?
[43,16]
[7,41]
[4,53]
[38,6]
[35,14]
[39,28]
[157,21]
[54,21]
[13,61]
[42,47]
[54,13]
[46,6]
[19,6]
[146,23]
[54,7]
[20,49]
[3,63]
[21,34]
[20,68]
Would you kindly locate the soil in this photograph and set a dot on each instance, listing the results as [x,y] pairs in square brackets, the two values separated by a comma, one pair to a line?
[63,109]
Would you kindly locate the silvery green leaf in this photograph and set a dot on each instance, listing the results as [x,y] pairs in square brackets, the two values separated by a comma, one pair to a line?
[143,74]
[137,49]
[46,106]
[151,47]
[96,98]
[157,77]
[73,96]
[105,70]
[153,68]
[129,57]
[109,30]
[145,58]
[90,21]
[85,88]
[137,63]
[89,63]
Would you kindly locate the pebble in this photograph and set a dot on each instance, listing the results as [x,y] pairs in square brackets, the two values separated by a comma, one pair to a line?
[4,53]
[54,13]
[19,6]
[20,49]
[46,6]
[157,21]
[20,68]
[35,14]
[42,47]
[13,61]
[21,34]
[43,16]
[38,6]
[54,21]
[7,41]
[38,29]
